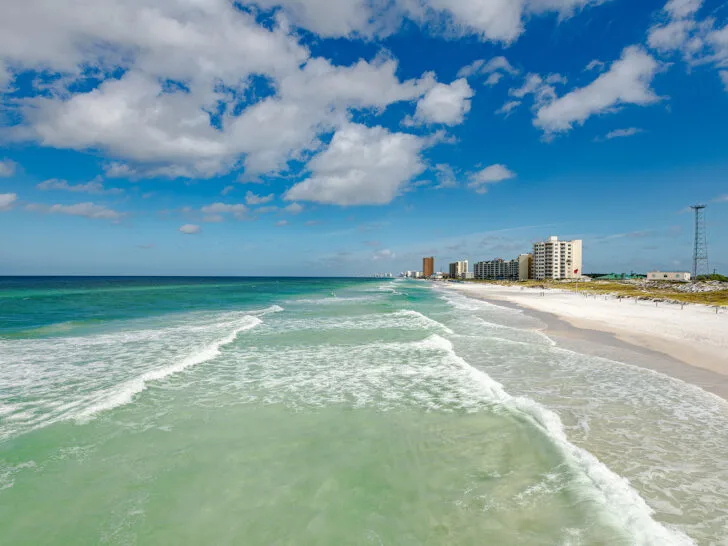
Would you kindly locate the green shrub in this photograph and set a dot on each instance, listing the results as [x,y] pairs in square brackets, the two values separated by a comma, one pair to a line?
[713,277]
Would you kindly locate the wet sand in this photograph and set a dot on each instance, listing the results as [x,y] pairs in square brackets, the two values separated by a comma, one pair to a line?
[631,349]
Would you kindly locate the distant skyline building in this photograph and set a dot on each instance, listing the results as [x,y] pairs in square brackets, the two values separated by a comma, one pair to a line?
[428,266]
[554,259]
[459,270]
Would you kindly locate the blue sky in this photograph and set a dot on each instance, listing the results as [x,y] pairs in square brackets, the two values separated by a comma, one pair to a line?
[300,137]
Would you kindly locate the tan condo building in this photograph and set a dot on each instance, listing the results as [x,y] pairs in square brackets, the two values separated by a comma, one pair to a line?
[525,267]
[428,267]
[554,259]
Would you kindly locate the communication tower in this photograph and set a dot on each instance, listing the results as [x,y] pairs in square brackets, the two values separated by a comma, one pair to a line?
[700,251]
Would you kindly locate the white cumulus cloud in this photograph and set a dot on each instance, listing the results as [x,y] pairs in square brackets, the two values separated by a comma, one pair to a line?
[383,254]
[293,208]
[7,200]
[190,229]
[86,210]
[724,78]
[496,65]
[361,166]
[337,18]
[508,108]
[496,20]
[214,51]
[698,41]
[595,65]
[621,133]
[5,76]
[238,210]
[167,66]
[670,36]
[92,187]
[682,8]
[494,79]
[445,104]
[479,181]
[182,40]
[628,81]
[7,168]
[116,169]
[541,88]
[253,199]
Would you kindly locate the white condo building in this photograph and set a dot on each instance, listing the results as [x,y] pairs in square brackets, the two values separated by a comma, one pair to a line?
[554,259]
[459,270]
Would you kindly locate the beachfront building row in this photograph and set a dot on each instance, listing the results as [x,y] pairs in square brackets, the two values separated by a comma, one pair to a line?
[520,269]
[551,259]
[554,259]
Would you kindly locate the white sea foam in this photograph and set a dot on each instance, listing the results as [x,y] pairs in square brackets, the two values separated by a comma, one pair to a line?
[267,310]
[525,332]
[406,319]
[8,473]
[499,316]
[425,320]
[388,289]
[76,378]
[464,303]
[623,504]
[427,374]
[333,300]
[388,375]
[123,394]
[666,436]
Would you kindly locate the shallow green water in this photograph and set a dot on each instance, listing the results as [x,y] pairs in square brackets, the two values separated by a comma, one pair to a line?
[256,411]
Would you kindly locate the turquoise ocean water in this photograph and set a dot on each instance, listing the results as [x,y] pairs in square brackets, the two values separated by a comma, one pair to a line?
[334,412]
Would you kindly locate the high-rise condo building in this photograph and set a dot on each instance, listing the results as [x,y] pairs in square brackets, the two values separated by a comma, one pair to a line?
[428,267]
[554,259]
[459,270]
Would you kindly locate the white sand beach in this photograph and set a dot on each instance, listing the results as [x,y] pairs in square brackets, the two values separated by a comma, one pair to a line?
[692,334]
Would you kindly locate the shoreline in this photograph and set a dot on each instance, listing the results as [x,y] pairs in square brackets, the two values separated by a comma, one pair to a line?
[595,338]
